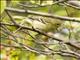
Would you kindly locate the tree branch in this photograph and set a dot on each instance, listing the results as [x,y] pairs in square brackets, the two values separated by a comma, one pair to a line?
[74,3]
[75,7]
[60,40]
[43,14]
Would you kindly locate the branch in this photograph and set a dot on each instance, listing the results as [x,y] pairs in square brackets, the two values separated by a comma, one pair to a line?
[60,40]
[75,7]
[43,14]
[10,17]
[74,3]
[71,52]
[27,48]
[63,53]
[38,5]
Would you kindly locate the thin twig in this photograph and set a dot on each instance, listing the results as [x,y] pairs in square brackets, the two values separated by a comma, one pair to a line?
[11,18]
[75,7]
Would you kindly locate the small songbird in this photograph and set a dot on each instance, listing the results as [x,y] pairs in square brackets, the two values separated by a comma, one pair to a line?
[47,24]
[44,24]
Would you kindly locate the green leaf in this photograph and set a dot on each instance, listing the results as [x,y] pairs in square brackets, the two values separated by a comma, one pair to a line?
[2,5]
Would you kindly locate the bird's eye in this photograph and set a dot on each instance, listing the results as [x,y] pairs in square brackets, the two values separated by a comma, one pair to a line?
[57,24]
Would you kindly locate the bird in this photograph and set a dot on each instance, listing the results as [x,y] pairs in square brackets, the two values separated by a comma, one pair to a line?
[44,24]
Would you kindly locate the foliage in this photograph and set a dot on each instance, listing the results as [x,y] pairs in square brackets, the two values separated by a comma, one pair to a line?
[2,5]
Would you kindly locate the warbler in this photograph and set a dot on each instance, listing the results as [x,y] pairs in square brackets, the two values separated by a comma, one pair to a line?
[47,24]
[44,24]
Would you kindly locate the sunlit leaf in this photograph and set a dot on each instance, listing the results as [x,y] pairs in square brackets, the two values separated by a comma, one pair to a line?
[2,5]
